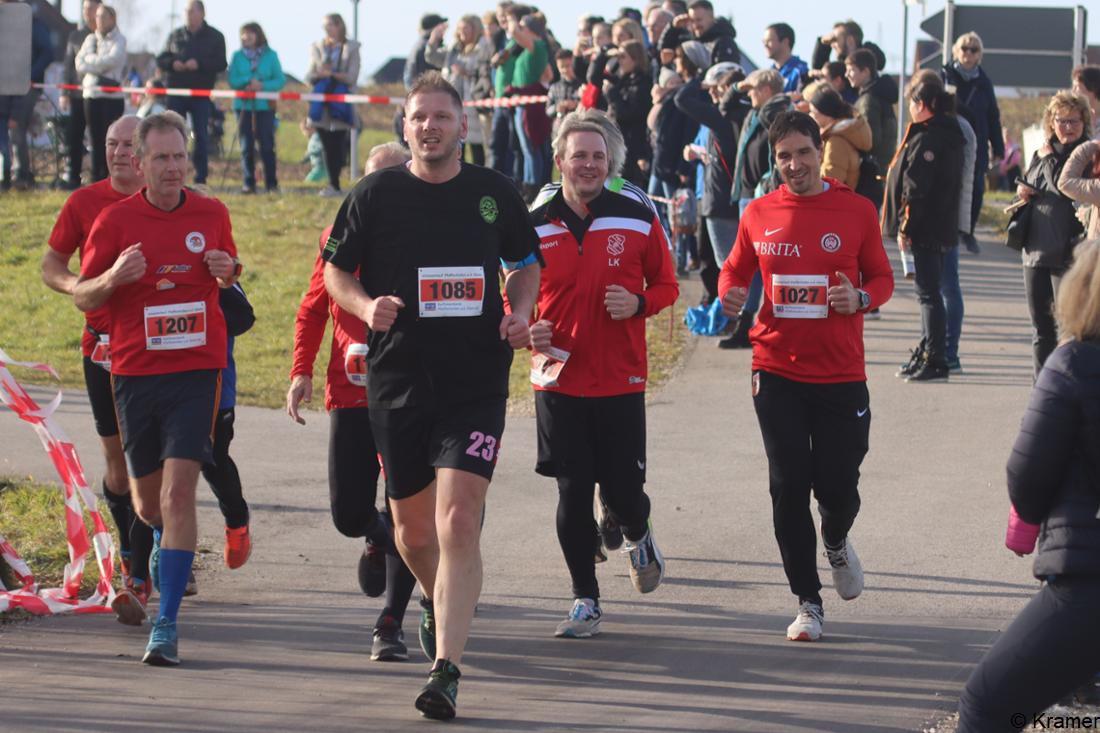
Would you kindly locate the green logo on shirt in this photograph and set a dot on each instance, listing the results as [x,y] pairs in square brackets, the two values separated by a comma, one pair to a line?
[488,209]
[330,245]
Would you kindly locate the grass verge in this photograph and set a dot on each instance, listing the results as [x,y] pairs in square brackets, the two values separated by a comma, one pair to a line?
[32,519]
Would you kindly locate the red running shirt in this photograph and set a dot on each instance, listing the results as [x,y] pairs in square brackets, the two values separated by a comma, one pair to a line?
[170,320]
[346,379]
[70,232]
[800,243]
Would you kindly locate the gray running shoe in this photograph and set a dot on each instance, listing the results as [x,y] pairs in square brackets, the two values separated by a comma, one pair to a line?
[582,622]
[847,570]
[389,642]
[647,565]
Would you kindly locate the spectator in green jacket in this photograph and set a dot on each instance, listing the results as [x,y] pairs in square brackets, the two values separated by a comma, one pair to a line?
[256,68]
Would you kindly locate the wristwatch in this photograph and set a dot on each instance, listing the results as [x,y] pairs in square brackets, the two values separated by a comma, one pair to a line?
[864,300]
[238,268]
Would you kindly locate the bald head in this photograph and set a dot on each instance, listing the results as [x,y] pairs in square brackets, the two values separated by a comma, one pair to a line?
[386,155]
[120,151]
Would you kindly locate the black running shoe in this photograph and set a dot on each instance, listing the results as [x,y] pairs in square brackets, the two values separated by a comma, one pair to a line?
[929,372]
[426,631]
[916,361]
[389,642]
[437,699]
[372,570]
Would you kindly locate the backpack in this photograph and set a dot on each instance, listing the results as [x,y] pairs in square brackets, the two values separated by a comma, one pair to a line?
[871,184]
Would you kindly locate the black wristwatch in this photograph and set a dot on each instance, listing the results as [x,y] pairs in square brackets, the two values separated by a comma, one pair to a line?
[641,305]
[864,300]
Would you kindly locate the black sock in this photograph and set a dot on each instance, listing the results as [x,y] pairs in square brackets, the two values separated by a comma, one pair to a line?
[122,510]
[399,587]
[141,544]
[815,598]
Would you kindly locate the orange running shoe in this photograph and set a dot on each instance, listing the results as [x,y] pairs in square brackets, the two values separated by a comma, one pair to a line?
[238,546]
[129,604]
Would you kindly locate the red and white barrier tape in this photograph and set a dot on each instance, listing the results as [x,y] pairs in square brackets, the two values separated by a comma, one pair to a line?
[287,96]
[66,599]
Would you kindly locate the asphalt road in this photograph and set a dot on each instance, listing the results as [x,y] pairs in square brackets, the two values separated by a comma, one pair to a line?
[282,644]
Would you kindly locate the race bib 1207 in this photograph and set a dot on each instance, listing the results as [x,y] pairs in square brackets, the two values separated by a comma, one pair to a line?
[175,326]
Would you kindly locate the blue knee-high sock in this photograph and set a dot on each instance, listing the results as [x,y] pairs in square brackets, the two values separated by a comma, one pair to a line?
[175,567]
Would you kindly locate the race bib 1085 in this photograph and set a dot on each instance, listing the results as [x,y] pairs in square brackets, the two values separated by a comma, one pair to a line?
[450,291]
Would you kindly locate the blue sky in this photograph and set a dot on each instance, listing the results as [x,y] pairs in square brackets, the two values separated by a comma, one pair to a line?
[389,28]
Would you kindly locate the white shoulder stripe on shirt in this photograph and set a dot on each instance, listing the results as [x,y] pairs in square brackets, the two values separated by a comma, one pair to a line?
[620,222]
[549,230]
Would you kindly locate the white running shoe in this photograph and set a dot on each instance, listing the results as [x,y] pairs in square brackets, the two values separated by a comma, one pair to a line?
[583,620]
[807,624]
[847,570]
[647,565]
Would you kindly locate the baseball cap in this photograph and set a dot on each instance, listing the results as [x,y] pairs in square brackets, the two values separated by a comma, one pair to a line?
[719,70]
[431,20]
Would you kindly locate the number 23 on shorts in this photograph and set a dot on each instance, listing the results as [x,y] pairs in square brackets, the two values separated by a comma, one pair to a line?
[482,446]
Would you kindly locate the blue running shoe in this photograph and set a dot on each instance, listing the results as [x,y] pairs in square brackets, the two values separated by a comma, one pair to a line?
[163,647]
[154,561]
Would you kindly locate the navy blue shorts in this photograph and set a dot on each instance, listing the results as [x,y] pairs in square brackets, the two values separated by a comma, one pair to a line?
[165,416]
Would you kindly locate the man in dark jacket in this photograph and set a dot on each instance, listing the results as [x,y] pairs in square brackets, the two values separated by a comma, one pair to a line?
[73,101]
[846,37]
[716,34]
[192,59]
[753,168]
[429,52]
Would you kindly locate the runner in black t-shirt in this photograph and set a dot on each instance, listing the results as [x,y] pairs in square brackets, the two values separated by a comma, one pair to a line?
[429,241]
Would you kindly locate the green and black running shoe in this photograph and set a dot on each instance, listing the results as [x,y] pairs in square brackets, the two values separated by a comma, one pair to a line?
[437,698]
[427,628]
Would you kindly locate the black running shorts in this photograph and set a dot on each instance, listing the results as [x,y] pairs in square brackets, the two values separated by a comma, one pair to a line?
[98,381]
[415,441]
[599,439]
[166,416]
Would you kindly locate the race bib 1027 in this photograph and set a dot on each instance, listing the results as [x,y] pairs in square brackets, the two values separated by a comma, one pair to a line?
[800,296]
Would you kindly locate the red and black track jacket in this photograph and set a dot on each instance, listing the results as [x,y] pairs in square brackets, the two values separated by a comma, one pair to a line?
[621,242]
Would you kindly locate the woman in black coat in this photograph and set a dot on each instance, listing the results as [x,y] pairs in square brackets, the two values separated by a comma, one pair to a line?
[922,211]
[629,100]
[1053,227]
[1053,480]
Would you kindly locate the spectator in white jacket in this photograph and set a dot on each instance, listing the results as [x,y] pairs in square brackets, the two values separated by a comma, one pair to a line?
[102,62]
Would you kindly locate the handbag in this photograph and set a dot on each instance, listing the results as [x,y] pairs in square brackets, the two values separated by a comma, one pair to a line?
[1016,231]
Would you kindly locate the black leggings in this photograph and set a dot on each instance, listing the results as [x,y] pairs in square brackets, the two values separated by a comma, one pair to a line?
[334,143]
[353,474]
[582,441]
[222,475]
[815,437]
[74,138]
[1050,649]
[1041,287]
